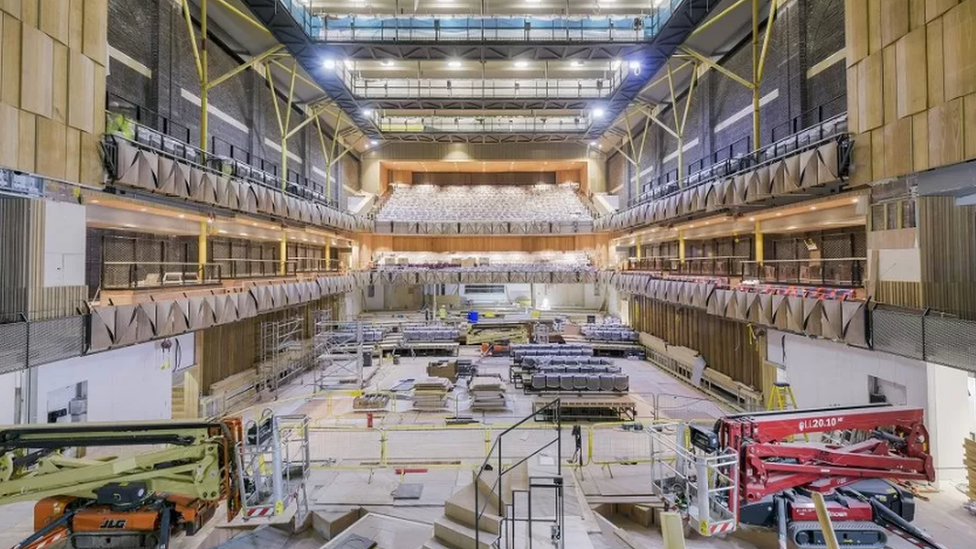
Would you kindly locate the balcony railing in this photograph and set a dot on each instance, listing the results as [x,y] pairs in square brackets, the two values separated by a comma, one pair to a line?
[697,266]
[234,268]
[138,275]
[846,272]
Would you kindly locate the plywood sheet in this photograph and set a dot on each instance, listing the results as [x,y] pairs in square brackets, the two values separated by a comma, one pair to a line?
[897,144]
[26,134]
[10,71]
[878,169]
[11,6]
[81,82]
[890,83]
[916,14]
[920,141]
[894,20]
[29,12]
[870,94]
[53,19]
[852,100]
[856,30]
[72,154]
[9,126]
[969,126]
[59,102]
[959,43]
[861,169]
[76,20]
[945,134]
[935,8]
[50,150]
[935,62]
[912,90]
[91,163]
[36,72]
[874,26]
[94,31]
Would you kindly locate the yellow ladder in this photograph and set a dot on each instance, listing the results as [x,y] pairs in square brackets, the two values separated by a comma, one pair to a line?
[782,398]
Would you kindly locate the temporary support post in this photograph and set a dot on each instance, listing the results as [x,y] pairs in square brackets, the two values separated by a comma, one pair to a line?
[758,236]
[826,526]
[681,246]
[282,251]
[202,250]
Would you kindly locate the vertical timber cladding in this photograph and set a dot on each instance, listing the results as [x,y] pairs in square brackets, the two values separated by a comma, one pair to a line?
[948,264]
[230,349]
[727,345]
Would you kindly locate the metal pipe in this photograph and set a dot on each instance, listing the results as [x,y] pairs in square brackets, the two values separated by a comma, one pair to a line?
[781,522]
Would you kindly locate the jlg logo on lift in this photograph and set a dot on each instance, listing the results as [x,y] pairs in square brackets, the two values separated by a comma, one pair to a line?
[113,524]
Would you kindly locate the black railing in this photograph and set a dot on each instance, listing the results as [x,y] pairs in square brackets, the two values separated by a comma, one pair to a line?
[234,268]
[810,118]
[693,266]
[147,117]
[843,272]
[136,275]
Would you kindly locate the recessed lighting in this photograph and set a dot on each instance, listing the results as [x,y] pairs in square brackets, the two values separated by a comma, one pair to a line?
[752,219]
[634,65]
[367,112]
[454,64]
[142,209]
[221,231]
[255,224]
[243,234]
[577,63]
[521,64]
[778,214]
[813,207]
[598,113]
[182,216]
[373,142]
[691,226]
[593,143]
[329,64]
[210,220]
[94,202]
[854,200]
[387,63]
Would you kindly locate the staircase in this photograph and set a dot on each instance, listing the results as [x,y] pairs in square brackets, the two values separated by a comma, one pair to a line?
[456,529]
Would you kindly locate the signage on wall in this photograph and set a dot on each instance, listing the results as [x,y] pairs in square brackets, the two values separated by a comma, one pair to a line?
[21,184]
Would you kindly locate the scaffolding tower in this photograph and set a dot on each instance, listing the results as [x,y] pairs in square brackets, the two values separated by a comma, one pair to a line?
[275,465]
[339,352]
[284,352]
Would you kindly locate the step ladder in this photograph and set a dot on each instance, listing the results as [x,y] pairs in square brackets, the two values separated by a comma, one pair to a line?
[782,398]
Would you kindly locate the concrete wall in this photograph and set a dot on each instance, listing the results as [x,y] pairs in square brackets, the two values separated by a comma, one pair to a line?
[823,373]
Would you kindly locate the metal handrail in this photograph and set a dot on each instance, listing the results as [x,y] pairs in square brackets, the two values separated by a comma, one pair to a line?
[497,486]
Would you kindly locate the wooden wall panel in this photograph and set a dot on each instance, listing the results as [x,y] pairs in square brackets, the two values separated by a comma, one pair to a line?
[947,241]
[897,144]
[912,90]
[870,92]
[10,72]
[920,141]
[726,344]
[9,126]
[899,293]
[874,25]
[856,30]
[935,8]
[51,148]
[969,126]
[935,62]
[916,14]
[959,47]
[945,134]
[853,98]
[448,244]
[94,37]
[894,20]
[889,82]
[37,72]
[878,168]
[53,19]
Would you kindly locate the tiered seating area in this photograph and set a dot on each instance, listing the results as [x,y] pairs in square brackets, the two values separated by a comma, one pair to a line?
[495,267]
[457,203]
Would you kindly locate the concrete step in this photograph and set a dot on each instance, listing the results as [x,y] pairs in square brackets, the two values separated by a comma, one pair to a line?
[461,536]
[488,488]
[516,478]
[460,508]
[434,543]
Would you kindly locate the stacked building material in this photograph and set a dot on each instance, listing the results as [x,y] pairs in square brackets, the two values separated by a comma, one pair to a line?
[447,369]
[552,381]
[488,393]
[370,401]
[430,393]
[608,332]
[429,334]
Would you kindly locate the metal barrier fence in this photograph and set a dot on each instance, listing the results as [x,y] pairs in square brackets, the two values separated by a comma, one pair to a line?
[686,408]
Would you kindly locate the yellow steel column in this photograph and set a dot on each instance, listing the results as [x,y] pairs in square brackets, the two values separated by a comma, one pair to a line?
[681,246]
[328,258]
[755,76]
[758,235]
[202,250]
[826,526]
[205,79]
[282,251]
[638,243]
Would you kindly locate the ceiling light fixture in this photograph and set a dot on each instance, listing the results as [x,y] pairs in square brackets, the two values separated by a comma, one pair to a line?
[329,64]
[598,112]
[577,63]
[854,200]
[521,64]
[387,63]
[615,64]
[373,142]
[367,112]
[454,64]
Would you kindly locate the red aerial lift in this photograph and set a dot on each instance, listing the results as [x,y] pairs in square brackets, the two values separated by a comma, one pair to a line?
[761,469]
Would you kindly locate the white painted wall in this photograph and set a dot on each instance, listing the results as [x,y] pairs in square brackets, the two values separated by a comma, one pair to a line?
[8,404]
[131,383]
[64,244]
[824,373]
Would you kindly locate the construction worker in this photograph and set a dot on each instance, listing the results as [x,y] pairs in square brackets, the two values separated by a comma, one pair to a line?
[578,438]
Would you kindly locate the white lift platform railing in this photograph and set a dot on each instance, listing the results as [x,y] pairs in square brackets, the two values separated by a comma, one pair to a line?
[703,489]
[274,454]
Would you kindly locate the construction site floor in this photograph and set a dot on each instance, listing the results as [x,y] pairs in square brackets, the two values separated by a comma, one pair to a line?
[442,462]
